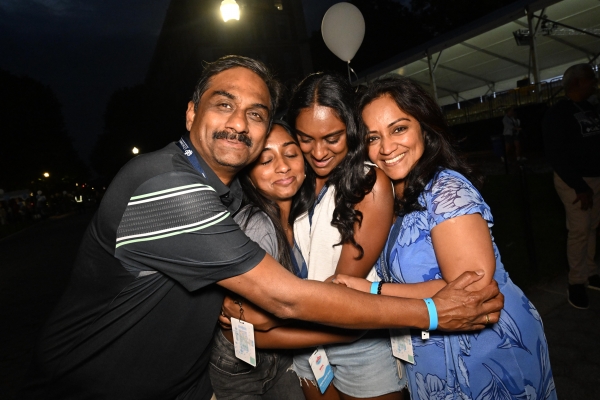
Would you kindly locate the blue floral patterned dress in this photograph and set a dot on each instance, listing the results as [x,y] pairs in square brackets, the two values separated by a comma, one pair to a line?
[507,360]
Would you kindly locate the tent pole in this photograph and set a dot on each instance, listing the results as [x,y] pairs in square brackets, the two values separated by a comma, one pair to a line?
[432,77]
[534,58]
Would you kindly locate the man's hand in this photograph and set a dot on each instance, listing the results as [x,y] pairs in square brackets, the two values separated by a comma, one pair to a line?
[586,199]
[262,320]
[461,310]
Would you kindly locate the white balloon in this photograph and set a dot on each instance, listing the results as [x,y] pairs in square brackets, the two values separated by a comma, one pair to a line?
[343,30]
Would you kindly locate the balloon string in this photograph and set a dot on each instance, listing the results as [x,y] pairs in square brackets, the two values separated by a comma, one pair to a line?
[349,77]
[351,70]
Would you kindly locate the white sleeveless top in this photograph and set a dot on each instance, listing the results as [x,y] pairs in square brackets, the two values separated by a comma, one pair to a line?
[316,243]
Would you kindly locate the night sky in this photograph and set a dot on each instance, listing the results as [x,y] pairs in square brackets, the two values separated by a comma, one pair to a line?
[86,49]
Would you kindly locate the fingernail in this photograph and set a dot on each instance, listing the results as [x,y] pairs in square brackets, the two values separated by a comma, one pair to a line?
[480,272]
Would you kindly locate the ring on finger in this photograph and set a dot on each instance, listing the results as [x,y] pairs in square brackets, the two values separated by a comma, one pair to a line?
[487,319]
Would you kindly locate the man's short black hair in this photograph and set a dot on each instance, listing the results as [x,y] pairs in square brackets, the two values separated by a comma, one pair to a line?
[233,61]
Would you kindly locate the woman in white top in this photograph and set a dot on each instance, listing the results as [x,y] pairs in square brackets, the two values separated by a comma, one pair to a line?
[349,210]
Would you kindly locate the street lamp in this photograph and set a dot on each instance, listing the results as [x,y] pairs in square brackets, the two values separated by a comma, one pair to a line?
[230,10]
[135,150]
[46,175]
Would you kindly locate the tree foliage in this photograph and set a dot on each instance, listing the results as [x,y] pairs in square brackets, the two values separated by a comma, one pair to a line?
[135,117]
[34,138]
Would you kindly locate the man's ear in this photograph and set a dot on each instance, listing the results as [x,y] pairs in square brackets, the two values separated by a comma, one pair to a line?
[190,114]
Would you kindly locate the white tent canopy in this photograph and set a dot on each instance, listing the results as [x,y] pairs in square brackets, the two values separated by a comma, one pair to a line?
[483,57]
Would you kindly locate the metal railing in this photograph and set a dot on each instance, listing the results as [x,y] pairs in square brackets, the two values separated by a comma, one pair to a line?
[491,106]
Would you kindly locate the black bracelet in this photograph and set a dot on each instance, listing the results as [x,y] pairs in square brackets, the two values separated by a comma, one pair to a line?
[379,287]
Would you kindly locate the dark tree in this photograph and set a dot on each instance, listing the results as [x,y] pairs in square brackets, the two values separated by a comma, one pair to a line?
[134,117]
[34,139]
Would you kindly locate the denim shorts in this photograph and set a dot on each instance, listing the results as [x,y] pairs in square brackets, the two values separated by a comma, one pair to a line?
[271,379]
[365,368]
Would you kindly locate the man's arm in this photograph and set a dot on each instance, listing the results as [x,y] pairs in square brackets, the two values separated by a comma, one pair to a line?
[278,291]
[291,337]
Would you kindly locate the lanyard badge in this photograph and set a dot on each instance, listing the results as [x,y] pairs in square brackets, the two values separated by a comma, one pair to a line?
[189,153]
[243,338]
[321,369]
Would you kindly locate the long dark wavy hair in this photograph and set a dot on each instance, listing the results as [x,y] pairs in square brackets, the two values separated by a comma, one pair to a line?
[439,147]
[348,178]
[260,202]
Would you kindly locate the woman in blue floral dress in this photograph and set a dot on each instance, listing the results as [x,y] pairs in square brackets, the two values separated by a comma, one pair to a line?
[443,229]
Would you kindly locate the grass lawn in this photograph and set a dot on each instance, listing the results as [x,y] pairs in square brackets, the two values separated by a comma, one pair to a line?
[504,194]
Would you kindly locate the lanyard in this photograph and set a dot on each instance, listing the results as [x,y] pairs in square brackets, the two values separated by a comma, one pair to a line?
[311,212]
[386,265]
[187,150]
[298,262]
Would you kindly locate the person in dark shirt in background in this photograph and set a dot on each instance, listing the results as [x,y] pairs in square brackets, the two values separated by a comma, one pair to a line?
[572,141]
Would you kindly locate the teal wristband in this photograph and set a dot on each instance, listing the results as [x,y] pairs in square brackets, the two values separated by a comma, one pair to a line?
[433,317]
[374,286]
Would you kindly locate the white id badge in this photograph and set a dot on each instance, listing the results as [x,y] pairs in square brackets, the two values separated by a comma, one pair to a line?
[402,347]
[243,341]
[320,365]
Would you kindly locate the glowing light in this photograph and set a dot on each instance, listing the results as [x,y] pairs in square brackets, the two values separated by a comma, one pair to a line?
[46,175]
[230,10]
[135,150]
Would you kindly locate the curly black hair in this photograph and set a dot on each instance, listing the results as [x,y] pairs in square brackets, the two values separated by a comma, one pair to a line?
[348,178]
[260,202]
[439,152]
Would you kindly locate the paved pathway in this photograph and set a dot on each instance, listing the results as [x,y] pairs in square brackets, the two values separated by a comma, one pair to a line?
[573,339]
[35,265]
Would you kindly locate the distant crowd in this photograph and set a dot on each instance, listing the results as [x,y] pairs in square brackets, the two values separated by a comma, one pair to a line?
[39,206]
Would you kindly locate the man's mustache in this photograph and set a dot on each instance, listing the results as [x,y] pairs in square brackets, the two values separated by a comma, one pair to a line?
[240,137]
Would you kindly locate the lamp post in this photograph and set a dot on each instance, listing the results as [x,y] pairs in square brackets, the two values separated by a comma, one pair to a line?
[230,10]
